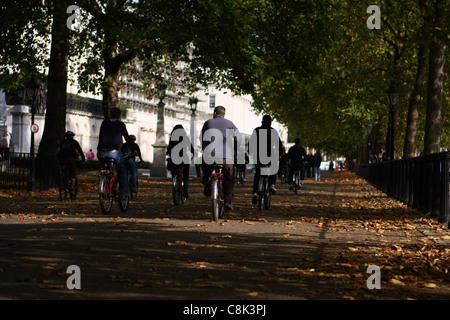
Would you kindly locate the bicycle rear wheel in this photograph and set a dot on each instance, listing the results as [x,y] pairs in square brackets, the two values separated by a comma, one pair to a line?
[175,193]
[217,200]
[261,192]
[105,198]
[267,195]
[124,203]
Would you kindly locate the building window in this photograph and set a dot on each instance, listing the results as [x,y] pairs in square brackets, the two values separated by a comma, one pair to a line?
[212,102]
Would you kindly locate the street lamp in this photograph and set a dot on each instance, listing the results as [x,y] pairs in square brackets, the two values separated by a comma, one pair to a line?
[193,101]
[30,94]
[392,95]
[368,131]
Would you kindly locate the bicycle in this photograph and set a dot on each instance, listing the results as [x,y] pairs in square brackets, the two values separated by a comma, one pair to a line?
[296,180]
[240,176]
[64,184]
[217,192]
[264,193]
[178,186]
[108,188]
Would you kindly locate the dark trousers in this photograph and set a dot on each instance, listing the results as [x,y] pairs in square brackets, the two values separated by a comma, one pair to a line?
[292,169]
[272,179]
[228,179]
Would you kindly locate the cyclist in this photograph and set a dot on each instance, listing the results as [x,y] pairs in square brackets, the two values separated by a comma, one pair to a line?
[179,141]
[112,130]
[68,153]
[297,155]
[129,152]
[219,138]
[273,152]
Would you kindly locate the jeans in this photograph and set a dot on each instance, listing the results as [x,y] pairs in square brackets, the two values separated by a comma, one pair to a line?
[272,179]
[124,188]
[131,164]
[317,173]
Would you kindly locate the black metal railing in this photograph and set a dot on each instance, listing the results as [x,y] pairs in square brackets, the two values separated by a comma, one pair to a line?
[15,170]
[420,182]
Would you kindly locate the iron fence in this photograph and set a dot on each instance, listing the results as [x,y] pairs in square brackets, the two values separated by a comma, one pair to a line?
[420,182]
[15,170]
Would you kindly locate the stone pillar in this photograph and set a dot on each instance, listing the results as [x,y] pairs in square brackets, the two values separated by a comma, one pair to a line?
[159,168]
[193,138]
[20,136]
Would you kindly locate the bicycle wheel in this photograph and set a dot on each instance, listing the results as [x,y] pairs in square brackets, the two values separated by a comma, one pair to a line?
[124,203]
[267,195]
[215,200]
[261,192]
[105,198]
[175,193]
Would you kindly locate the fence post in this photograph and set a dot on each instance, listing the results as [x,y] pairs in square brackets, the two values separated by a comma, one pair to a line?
[444,216]
[435,186]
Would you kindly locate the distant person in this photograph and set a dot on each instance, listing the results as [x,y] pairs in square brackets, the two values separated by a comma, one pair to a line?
[90,155]
[273,147]
[317,161]
[129,152]
[296,155]
[68,153]
[331,167]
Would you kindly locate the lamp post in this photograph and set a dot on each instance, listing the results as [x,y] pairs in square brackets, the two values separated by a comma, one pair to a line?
[392,95]
[193,101]
[30,94]
[368,131]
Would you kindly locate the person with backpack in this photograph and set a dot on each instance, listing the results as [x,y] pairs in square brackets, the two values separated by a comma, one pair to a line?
[129,152]
[69,152]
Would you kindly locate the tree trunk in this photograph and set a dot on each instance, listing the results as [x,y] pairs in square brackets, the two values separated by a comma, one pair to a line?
[433,125]
[110,82]
[414,103]
[55,117]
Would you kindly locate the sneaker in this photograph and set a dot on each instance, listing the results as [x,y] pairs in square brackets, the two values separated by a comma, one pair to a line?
[207,189]
[229,206]
[185,194]
[272,188]
[302,181]
[255,198]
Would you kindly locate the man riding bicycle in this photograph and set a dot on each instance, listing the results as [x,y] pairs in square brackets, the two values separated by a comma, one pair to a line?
[219,139]
[109,142]
[265,136]
[297,155]
[129,152]
[68,153]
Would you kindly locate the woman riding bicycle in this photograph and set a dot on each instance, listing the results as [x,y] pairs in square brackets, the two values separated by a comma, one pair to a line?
[68,153]
[180,152]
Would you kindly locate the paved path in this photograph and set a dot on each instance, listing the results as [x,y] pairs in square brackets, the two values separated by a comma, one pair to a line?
[317,245]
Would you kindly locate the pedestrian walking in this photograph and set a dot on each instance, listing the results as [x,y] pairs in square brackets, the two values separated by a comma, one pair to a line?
[297,155]
[317,160]
[90,155]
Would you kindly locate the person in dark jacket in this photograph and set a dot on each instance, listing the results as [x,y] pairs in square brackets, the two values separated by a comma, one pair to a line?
[68,153]
[296,156]
[109,145]
[181,153]
[273,150]
[317,162]
[129,152]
